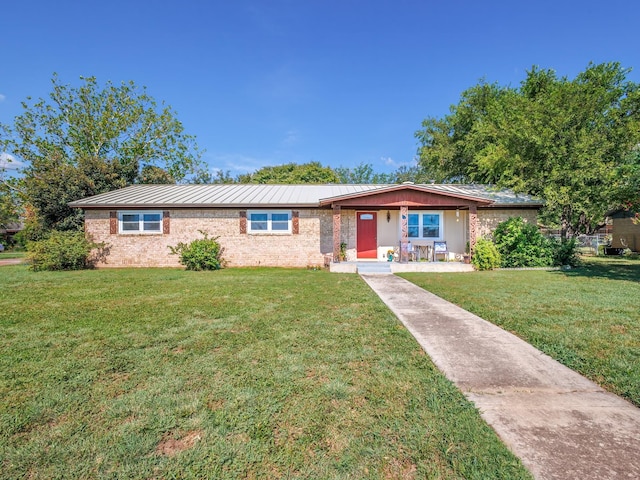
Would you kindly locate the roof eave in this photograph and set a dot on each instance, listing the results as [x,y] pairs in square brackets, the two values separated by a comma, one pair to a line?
[516,205]
[189,206]
[393,188]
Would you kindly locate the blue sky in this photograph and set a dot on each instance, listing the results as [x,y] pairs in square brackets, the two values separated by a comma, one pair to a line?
[276,81]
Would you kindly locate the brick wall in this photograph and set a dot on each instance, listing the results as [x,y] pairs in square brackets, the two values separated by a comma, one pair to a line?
[307,248]
[304,249]
[488,219]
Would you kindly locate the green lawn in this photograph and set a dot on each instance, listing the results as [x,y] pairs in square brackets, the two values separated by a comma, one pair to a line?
[588,318]
[11,254]
[265,373]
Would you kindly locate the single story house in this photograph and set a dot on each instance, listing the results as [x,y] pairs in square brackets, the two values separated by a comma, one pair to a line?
[297,225]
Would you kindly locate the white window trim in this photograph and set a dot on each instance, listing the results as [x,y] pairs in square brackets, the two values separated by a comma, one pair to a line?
[140,222]
[269,231]
[427,212]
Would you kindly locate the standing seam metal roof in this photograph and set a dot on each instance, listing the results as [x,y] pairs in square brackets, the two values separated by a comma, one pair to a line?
[230,195]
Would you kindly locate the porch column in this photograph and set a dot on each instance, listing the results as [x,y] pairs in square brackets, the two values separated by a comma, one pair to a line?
[336,233]
[404,233]
[473,227]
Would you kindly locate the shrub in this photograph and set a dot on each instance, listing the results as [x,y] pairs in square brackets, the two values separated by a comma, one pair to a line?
[485,255]
[68,250]
[201,254]
[566,253]
[522,245]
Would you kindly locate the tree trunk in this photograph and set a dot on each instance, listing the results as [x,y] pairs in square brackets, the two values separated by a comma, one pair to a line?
[565,223]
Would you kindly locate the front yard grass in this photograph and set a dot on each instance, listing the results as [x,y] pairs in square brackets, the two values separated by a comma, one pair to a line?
[12,254]
[587,318]
[258,373]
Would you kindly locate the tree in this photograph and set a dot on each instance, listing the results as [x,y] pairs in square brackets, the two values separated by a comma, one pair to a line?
[10,201]
[87,140]
[10,204]
[51,183]
[448,146]
[362,173]
[219,177]
[150,174]
[567,141]
[414,173]
[291,173]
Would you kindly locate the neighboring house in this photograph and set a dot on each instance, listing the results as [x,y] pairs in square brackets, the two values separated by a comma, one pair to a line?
[9,230]
[625,233]
[295,225]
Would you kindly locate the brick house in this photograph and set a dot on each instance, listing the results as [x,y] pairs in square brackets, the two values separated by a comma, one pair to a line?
[297,225]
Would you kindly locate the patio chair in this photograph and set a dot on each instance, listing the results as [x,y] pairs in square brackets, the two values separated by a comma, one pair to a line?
[412,250]
[440,248]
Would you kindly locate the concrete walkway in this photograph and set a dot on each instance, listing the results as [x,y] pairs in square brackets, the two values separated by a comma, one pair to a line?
[561,425]
[11,261]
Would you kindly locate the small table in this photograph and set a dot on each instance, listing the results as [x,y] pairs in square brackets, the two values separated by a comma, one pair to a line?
[424,251]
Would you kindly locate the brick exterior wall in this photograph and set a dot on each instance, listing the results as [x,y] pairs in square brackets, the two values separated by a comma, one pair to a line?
[348,232]
[307,248]
[489,218]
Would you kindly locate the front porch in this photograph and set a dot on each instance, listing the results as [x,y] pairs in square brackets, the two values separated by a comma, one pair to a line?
[404,222]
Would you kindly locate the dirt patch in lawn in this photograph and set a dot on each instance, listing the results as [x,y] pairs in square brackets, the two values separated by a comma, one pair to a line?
[169,446]
[400,470]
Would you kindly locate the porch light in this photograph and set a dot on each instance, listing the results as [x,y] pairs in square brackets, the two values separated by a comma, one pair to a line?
[388,216]
[457,214]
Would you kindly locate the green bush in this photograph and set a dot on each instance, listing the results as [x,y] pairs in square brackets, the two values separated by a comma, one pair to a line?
[522,245]
[68,250]
[201,254]
[485,255]
[566,253]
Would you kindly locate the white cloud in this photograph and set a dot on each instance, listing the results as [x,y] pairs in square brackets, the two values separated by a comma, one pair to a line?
[9,162]
[237,162]
[390,162]
[2,98]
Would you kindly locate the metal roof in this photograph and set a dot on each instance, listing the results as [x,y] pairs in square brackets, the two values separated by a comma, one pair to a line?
[250,195]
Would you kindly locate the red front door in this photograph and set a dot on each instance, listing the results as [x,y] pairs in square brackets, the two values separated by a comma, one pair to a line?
[367,233]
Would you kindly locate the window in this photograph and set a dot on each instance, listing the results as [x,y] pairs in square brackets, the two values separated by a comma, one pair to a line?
[427,225]
[140,222]
[276,221]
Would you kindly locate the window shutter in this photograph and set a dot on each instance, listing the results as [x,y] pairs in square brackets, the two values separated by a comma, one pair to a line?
[243,222]
[113,223]
[166,218]
[295,222]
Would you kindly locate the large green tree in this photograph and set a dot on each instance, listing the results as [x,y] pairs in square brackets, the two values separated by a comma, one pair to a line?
[362,173]
[291,173]
[90,139]
[570,142]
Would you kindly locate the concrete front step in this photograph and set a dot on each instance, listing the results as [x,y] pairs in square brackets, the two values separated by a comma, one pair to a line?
[374,267]
[396,267]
